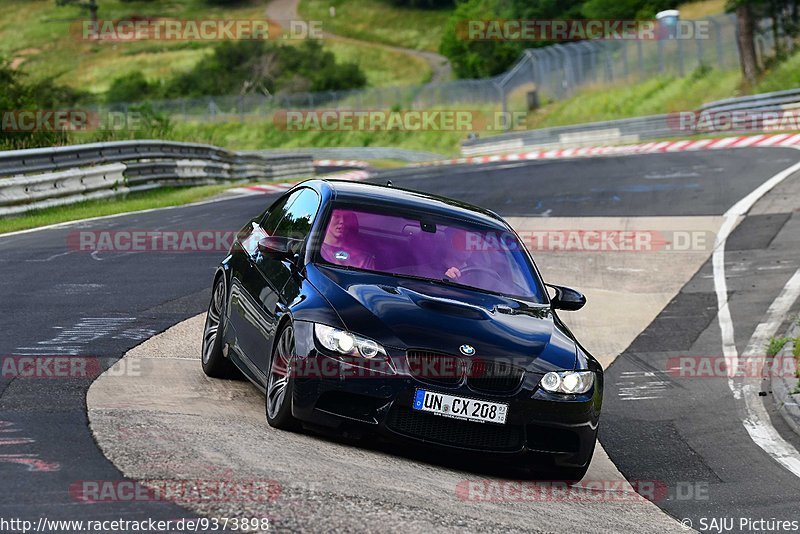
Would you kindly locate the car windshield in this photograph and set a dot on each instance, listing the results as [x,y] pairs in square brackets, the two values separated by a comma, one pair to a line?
[435,248]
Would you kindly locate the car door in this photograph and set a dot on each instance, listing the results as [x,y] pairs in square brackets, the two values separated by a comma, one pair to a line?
[265,289]
[246,286]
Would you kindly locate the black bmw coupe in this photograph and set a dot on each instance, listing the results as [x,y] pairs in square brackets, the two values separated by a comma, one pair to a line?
[416,316]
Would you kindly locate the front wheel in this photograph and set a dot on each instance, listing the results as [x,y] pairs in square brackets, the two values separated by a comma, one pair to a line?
[215,364]
[279,383]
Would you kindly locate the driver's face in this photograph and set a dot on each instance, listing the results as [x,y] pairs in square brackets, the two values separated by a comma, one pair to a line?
[337,226]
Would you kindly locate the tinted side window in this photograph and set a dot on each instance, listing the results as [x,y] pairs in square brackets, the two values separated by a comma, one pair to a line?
[276,213]
[299,216]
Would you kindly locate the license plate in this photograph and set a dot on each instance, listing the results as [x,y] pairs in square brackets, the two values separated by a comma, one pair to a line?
[460,407]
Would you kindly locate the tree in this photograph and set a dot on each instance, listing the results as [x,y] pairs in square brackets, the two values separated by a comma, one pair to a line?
[745,36]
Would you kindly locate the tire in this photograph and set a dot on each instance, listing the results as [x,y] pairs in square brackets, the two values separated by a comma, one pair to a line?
[215,364]
[278,400]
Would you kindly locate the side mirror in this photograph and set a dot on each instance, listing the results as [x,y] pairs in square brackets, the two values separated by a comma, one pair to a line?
[277,247]
[567,299]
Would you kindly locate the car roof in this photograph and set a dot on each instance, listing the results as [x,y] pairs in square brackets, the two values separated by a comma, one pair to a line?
[391,196]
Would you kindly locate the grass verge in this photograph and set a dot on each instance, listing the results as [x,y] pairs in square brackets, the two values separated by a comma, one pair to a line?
[775,345]
[382,66]
[380,22]
[262,133]
[654,96]
[157,198]
[36,35]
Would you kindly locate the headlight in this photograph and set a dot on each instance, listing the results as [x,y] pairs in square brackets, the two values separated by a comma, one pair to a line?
[569,382]
[347,343]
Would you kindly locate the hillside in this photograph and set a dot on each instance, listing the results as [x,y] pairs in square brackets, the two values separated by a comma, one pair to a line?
[36,37]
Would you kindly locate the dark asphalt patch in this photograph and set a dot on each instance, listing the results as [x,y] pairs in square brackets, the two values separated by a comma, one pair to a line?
[756,231]
[679,324]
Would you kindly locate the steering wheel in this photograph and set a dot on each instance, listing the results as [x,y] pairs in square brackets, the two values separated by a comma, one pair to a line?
[477,268]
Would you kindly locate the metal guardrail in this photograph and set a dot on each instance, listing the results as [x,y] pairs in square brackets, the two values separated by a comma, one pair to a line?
[638,128]
[789,99]
[46,177]
[618,131]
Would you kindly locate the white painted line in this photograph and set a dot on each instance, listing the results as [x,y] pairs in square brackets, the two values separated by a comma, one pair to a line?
[758,427]
[757,420]
[776,314]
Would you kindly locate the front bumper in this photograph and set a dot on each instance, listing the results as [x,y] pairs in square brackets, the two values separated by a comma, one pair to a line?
[331,393]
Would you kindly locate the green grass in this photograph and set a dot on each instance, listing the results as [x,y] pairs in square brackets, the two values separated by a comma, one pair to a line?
[796,354]
[657,95]
[654,96]
[378,21]
[785,75]
[158,198]
[701,9]
[39,32]
[383,66]
[775,345]
[35,35]
[262,134]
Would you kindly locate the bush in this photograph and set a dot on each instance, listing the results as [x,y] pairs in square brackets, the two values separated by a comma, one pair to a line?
[16,95]
[129,88]
[258,66]
[477,59]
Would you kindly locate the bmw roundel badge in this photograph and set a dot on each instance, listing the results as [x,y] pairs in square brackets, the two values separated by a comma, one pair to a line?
[467,350]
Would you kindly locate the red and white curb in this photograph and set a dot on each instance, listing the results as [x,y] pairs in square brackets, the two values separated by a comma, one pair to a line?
[755,141]
[269,189]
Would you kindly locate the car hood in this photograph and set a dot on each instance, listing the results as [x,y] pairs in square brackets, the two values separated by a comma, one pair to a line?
[415,314]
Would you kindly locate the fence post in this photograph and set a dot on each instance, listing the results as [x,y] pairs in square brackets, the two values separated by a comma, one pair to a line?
[700,55]
[718,40]
[608,67]
[640,57]
[625,59]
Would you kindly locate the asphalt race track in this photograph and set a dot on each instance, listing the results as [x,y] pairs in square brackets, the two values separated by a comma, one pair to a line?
[684,434]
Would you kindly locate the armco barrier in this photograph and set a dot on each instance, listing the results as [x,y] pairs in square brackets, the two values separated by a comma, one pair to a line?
[40,178]
[631,130]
